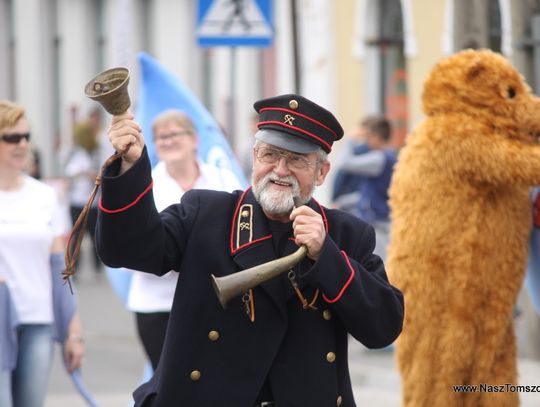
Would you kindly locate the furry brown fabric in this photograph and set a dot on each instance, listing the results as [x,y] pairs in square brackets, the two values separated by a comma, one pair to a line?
[461,217]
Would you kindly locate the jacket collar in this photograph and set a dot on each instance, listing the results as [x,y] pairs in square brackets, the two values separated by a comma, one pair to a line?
[249,227]
[251,241]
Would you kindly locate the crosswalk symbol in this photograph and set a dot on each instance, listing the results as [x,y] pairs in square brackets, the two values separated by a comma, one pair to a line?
[234,22]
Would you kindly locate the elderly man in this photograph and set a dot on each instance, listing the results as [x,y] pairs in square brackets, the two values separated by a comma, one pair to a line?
[283,343]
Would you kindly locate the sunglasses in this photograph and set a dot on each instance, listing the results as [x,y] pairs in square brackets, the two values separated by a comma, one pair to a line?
[15,138]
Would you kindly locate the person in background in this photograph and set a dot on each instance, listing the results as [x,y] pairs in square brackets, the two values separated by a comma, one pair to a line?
[178,171]
[532,278]
[81,169]
[346,185]
[95,121]
[35,307]
[374,169]
[283,342]
[34,164]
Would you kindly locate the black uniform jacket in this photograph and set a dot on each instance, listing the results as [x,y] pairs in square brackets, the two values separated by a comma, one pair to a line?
[218,357]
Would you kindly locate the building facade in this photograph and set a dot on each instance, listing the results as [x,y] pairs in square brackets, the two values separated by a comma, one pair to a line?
[354,56]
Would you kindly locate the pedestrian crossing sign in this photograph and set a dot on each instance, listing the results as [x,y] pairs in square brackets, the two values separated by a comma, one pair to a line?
[235,23]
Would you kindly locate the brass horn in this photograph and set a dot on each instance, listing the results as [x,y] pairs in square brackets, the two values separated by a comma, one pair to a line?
[109,88]
[230,286]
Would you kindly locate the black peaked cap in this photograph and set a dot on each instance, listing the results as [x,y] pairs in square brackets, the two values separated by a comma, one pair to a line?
[299,117]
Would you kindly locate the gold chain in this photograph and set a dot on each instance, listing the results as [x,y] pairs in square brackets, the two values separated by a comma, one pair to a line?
[291,275]
[249,303]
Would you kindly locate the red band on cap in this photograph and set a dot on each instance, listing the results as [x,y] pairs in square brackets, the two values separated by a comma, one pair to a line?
[294,112]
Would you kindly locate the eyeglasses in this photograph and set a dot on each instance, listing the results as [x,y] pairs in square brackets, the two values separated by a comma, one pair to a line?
[15,138]
[166,137]
[293,160]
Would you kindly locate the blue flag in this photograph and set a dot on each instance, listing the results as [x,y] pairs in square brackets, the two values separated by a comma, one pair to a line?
[160,90]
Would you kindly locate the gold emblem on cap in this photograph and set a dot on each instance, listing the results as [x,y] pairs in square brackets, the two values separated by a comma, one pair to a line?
[293,104]
[288,119]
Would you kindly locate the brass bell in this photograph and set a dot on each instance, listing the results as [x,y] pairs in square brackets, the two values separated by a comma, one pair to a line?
[110,89]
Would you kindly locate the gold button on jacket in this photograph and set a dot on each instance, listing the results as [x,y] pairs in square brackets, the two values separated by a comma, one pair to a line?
[195,375]
[331,357]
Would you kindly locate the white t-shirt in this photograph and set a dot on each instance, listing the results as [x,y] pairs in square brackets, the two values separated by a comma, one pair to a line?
[30,218]
[80,169]
[151,293]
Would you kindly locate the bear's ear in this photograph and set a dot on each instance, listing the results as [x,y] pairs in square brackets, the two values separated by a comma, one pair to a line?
[475,69]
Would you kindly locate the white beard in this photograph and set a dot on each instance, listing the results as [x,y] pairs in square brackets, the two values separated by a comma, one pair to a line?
[277,202]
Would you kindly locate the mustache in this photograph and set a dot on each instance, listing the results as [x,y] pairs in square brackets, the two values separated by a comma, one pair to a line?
[288,179]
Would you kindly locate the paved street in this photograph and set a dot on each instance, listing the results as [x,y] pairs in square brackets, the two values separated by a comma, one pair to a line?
[114,364]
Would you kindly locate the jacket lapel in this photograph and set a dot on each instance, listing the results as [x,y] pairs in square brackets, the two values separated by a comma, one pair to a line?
[251,245]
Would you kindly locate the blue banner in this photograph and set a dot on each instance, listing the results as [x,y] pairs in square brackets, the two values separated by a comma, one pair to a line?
[160,90]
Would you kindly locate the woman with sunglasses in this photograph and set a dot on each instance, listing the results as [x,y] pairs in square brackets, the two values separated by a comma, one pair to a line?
[35,308]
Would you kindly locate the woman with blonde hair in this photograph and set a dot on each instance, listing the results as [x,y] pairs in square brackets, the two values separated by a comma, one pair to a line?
[35,307]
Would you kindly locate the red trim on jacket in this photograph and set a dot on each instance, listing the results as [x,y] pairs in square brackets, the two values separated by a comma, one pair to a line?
[296,113]
[253,241]
[124,208]
[233,227]
[328,146]
[238,204]
[347,283]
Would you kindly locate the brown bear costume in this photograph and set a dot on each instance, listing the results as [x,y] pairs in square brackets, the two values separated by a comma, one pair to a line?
[461,217]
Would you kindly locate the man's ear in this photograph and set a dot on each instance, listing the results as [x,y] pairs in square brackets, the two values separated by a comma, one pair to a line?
[323,172]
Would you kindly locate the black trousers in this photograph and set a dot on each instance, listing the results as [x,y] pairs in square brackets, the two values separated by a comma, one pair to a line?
[151,328]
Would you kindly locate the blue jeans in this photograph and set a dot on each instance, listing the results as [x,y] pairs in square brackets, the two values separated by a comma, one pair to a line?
[26,386]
